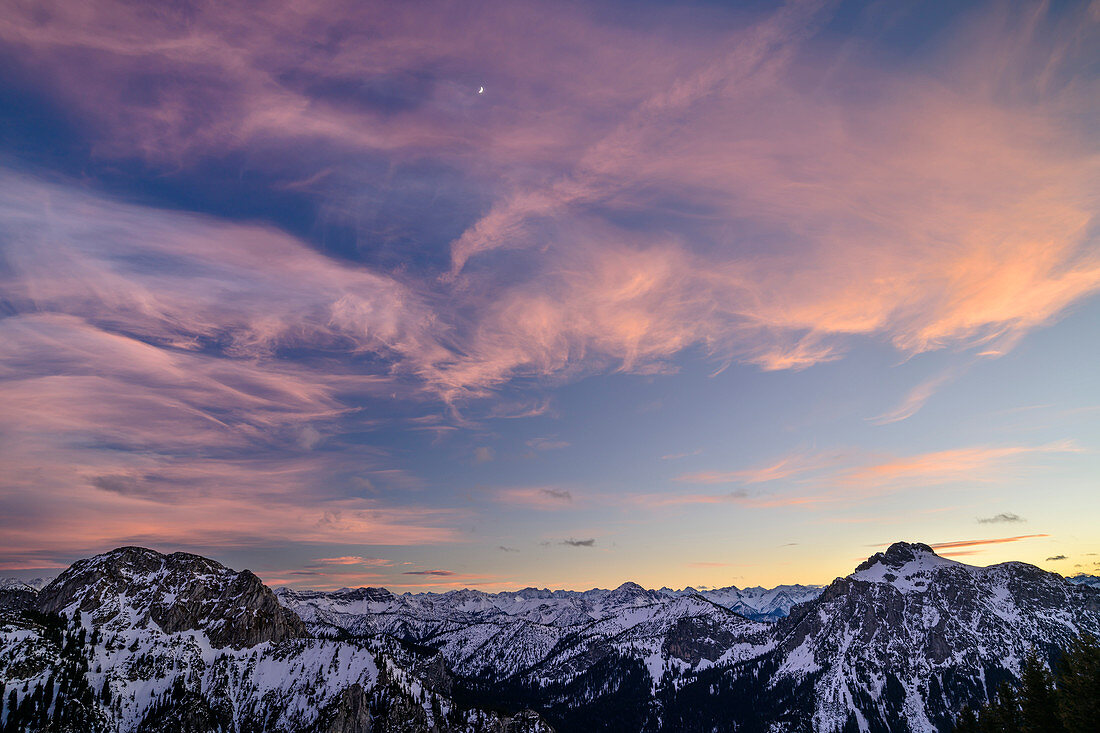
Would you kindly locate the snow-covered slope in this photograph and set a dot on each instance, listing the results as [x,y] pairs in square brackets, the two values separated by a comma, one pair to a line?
[763,604]
[495,636]
[142,640]
[145,641]
[16,584]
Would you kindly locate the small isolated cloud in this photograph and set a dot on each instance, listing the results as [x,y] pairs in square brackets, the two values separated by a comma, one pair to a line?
[1002,518]
[1056,557]
[547,444]
[309,437]
[675,456]
[538,497]
[503,548]
[439,573]
[483,454]
[579,543]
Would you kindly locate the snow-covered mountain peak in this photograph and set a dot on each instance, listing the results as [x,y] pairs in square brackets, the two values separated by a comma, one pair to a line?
[630,587]
[135,586]
[14,584]
[908,566]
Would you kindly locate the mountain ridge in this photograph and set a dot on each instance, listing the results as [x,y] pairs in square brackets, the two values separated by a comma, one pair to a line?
[906,639]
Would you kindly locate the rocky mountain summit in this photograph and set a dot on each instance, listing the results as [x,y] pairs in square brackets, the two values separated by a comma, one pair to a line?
[178,592]
[142,641]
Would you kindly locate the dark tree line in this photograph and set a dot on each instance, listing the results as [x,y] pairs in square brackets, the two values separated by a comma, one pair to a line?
[1067,701]
[64,702]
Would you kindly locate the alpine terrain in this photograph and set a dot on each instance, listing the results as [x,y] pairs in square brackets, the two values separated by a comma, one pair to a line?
[134,640]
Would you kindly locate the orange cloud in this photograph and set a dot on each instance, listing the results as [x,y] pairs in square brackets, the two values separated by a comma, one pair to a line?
[975,543]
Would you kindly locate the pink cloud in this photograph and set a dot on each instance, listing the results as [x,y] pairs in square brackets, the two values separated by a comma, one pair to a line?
[855,478]
[919,208]
[837,175]
[961,464]
[795,212]
[352,560]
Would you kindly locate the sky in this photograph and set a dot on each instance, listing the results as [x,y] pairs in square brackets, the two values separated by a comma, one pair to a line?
[432,295]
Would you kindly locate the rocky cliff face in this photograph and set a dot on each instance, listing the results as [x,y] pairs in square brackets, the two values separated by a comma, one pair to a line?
[177,592]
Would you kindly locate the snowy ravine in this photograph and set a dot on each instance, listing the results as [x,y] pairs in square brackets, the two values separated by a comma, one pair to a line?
[163,641]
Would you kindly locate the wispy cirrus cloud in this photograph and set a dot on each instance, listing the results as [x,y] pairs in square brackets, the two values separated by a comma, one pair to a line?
[915,399]
[705,135]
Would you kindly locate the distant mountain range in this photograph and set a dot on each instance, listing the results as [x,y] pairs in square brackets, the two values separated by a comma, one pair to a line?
[1092,581]
[134,640]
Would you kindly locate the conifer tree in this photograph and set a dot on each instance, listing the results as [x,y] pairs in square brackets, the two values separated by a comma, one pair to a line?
[1079,686]
[967,721]
[1038,703]
[1067,702]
